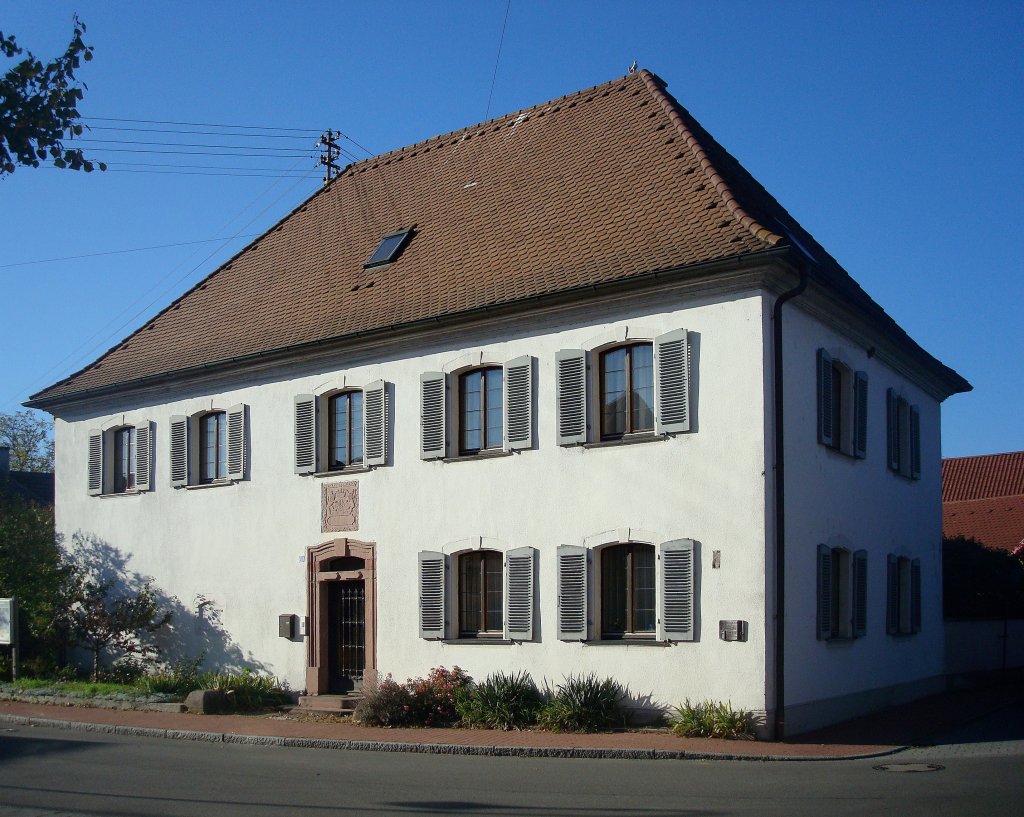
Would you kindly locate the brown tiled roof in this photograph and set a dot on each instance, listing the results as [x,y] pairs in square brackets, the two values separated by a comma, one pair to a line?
[983,477]
[604,185]
[996,523]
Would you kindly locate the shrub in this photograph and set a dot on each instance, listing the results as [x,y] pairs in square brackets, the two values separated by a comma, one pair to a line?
[711,719]
[502,702]
[178,678]
[386,703]
[585,704]
[249,689]
[434,698]
[125,670]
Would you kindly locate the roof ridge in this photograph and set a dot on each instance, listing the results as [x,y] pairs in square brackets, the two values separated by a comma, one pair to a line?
[980,456]
[657,86]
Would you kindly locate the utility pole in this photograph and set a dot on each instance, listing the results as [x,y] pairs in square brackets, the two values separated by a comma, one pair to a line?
[329,156]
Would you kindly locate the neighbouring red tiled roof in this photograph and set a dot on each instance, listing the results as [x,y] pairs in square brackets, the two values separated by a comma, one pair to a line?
[603,185]
[983,499]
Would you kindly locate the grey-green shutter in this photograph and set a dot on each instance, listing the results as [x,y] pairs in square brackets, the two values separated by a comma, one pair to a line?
[519,403]
[892,595]
[432,596]
[825,431]
[915,596]
[305,434]
[672,379]
[95,475]
[677,590]
[179,451]
[860,414]
[572,593]
[375,423]
[860,593]
[236,442]
[571,396]
[825,600]
[519,569]
[144,456]
[915,443]
[892,426]
[433,401]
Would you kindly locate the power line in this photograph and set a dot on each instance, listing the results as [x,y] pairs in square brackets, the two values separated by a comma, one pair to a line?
[497,59]
[312,131]
[185,145]
[204,167]
[200,132]
[122,252]
[203,153]
[200,173]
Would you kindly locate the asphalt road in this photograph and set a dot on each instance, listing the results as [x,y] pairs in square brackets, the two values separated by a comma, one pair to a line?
[56,772]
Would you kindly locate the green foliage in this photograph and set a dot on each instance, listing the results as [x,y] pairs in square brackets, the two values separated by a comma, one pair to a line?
[585,704]
[29,435]
[87,689]
[980,582]
[710,719]
[179,678]
[387,703]
[251,690]
[39,106]
[502,702]
[430,701]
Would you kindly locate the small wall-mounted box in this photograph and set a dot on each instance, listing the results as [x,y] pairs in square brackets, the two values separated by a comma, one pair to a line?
[287,626]
[732,630]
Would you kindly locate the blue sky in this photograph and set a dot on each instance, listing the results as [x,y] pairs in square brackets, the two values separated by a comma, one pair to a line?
[890,130]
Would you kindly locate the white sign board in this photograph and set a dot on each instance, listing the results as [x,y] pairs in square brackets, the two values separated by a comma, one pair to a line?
[7,633]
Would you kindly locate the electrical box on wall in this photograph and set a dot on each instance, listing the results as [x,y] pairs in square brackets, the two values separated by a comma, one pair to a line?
[732,630]
[286,626]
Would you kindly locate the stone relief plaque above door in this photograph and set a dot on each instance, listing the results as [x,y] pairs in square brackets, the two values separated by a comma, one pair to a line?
[339,507]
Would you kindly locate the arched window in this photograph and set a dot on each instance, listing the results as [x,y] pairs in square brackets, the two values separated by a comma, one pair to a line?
[627,390]
[628,591]
[480,410]
[345,430]
[213,447]
[481,594]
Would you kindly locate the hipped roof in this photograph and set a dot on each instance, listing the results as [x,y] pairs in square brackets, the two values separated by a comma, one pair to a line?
[604,185]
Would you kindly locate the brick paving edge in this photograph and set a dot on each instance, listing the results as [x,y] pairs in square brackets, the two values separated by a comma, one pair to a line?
[420,748]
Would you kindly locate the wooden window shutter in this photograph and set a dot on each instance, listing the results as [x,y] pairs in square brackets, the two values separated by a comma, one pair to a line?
[433,401]
[892,426]
[144,456]
[892,595]
[677,590]
[915,443]
[860,593]
[824,398]
[915,596]
[519,571]
[571,396]
[672,379]
[236,441]
[519,403]
[572,593]
[95,480]
[860,415]
[825,599]
[375,423]
[179,451]
[305,434]
[432,596]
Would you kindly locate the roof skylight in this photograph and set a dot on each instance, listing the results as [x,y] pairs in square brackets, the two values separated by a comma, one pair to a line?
[389,248]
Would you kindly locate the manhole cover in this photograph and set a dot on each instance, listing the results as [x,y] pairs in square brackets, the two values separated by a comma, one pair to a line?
[909,767]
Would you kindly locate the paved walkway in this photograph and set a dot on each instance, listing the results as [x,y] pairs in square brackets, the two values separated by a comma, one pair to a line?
[965,713]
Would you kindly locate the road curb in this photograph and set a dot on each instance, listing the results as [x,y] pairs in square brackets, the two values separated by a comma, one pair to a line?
[418,748]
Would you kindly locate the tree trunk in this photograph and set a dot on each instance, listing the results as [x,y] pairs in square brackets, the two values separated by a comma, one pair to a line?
[96,664]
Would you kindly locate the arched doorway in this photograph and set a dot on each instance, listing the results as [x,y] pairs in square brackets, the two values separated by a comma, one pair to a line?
[342,606]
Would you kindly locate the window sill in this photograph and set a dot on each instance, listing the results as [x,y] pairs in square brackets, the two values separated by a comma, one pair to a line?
[627,642]
[120,494]
[340,472]
[849,455]
[903,476]
[204,485]
[483,455]
[632,439]
[481,640]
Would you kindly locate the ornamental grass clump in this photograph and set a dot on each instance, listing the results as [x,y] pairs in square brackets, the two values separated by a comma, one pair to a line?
[502,702]
[585,704]
[711,719]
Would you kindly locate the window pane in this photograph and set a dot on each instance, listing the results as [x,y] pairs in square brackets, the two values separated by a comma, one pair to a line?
[837,407]
[222,445]
[643,589]
[338,408]
[613,589]
[613,392]
[492,566]
[469,593]
[471,420]
[356,422]
[208,447]
[493,379]
[642,359]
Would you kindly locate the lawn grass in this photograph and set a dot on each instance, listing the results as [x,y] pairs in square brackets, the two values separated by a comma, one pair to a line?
[86,688]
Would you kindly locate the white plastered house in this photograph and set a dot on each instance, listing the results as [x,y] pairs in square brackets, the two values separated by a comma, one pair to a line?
[560,392]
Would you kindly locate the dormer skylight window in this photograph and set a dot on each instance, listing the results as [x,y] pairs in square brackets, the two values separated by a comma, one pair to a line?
[389,248]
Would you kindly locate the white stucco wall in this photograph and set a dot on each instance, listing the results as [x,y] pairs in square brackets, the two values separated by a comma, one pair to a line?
[839,501]
[242,546]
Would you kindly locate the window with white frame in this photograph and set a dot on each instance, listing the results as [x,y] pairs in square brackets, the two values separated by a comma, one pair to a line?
[642,387]
[842,407]
[121,459]
[341,429]
[208,447]
[842,593]
[476,411]
[490,595]
[904,435]
[627,591]
[903,595]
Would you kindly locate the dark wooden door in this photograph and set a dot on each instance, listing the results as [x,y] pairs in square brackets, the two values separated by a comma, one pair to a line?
[346,611]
